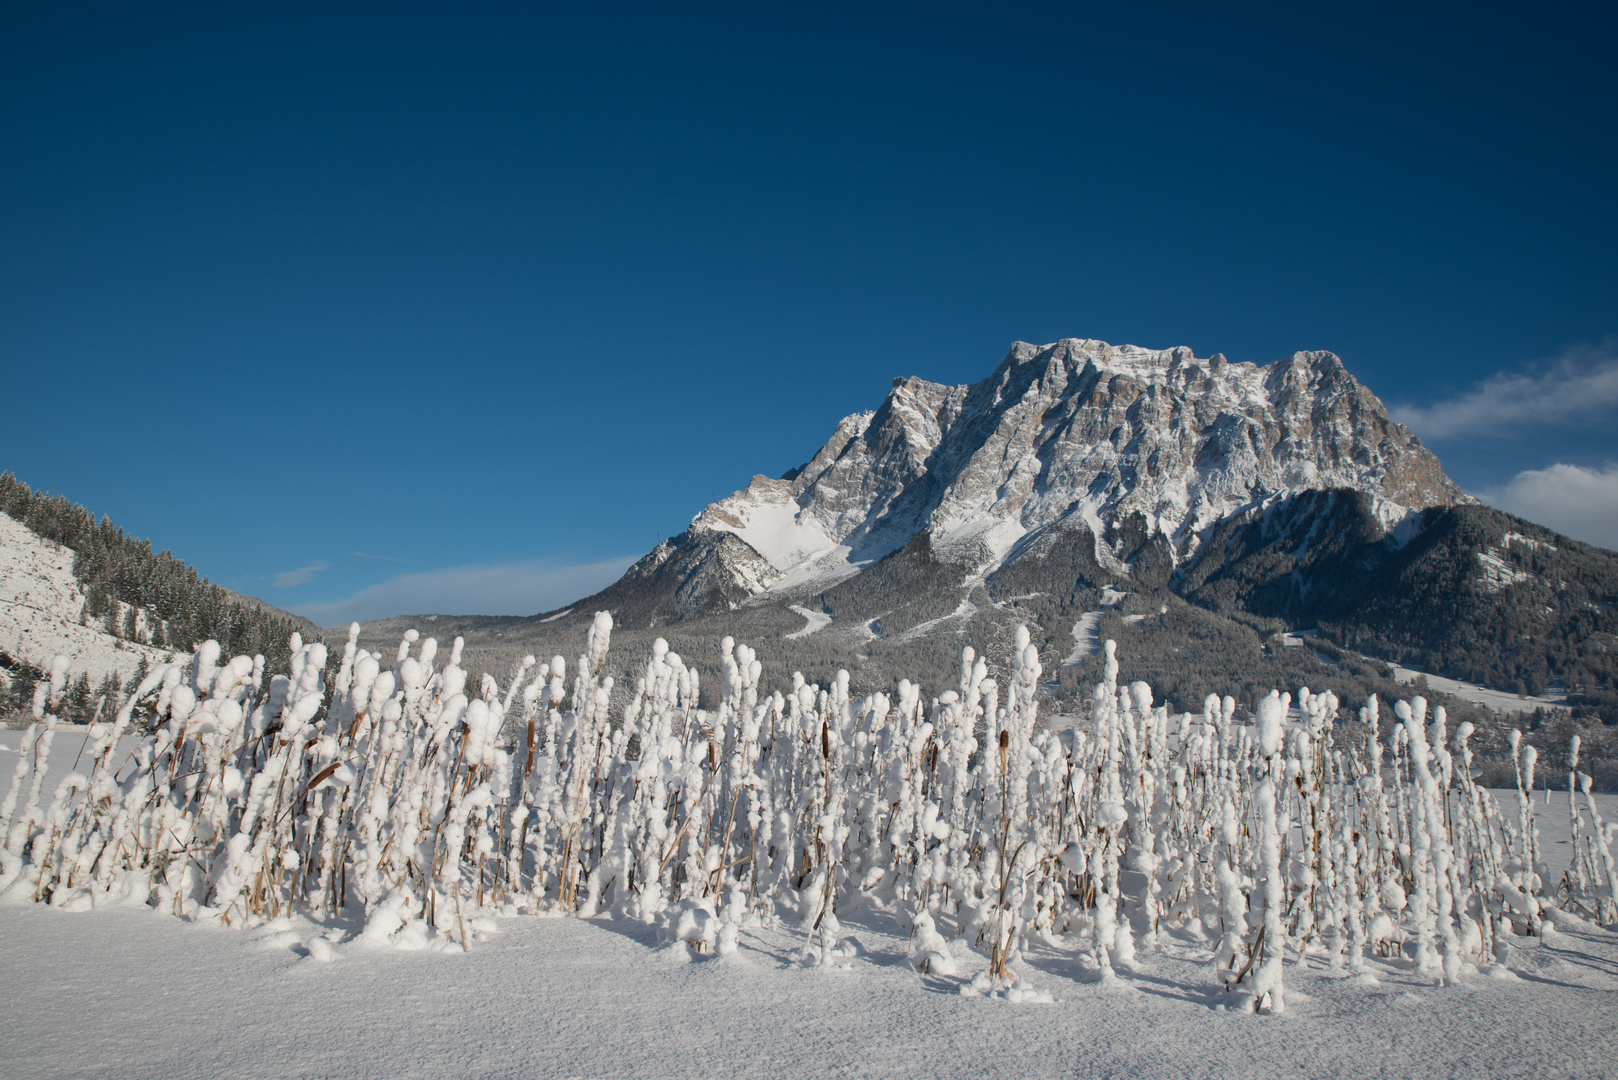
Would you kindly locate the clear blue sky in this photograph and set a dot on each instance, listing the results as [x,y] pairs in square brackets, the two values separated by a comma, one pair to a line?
[495,299]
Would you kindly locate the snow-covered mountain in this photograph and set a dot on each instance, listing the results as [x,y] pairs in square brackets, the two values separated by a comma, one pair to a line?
[1143,451]
[1200,512]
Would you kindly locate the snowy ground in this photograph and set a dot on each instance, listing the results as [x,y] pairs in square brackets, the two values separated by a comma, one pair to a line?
[125,992]
[128,993]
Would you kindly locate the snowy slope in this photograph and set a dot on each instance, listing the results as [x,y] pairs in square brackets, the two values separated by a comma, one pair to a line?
[818,620]
[769,519]
[40,603]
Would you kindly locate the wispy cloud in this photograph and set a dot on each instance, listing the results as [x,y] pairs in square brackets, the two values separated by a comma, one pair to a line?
[1577,502]
[301,576]
[383,558]
[523,588]
[1580,384]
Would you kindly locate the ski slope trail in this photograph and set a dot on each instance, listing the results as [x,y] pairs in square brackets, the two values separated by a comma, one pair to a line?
[1086,632]
[818,620]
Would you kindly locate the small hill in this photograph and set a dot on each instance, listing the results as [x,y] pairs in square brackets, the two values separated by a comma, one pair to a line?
[83,589]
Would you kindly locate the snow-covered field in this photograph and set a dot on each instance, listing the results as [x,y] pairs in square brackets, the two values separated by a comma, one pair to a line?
[127,993]
[1498,700]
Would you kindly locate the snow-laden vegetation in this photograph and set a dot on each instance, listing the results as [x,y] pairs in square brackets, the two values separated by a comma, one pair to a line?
[403,797]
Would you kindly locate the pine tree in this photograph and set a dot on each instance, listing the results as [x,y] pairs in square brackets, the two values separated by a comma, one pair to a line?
[22,688]
[142,668]
[182,607]
[107,697]
[77,702]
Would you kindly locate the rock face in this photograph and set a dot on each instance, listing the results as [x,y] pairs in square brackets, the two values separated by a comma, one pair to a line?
[1143,450]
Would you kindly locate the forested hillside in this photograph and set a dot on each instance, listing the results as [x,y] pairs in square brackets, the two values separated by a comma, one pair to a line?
[1468,591]
[151,597]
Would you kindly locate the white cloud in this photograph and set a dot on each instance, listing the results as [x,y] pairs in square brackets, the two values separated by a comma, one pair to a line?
[301,576]
[1577,502]
[1582,382]
[524,588]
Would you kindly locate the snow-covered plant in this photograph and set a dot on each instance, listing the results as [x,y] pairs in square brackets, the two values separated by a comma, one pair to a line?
[405,797]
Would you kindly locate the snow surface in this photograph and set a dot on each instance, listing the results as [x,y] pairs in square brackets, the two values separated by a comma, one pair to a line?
[1526,541]
[1399,522]
[986,540]
[964,610]
[1499,574]
[40,601]
[765,515]
[129,993]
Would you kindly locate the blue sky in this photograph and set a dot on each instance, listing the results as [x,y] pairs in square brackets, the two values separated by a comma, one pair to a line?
[370,310]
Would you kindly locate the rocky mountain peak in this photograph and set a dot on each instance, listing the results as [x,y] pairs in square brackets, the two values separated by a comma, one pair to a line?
[1078,434]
